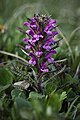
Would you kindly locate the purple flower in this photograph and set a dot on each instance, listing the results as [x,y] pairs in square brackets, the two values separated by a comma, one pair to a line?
[25,40]
[26,24]
[44,70]
[30,32]
[51,33]
[48,43]
[38,53]
[31,54]
[27,47]
[50,25]
[43,67]
[32,61]
[47,47]
[49,54]
[36,37]
[41,32]
[54,33]
[50,60]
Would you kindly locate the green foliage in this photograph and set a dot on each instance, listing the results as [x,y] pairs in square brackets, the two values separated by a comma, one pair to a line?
[55,100]
[34,95]
[17,93]
[60,98]
[6,77]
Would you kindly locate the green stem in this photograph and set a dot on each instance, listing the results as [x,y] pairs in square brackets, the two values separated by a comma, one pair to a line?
[74,31]
[67,43]
[71,107]
[13,55]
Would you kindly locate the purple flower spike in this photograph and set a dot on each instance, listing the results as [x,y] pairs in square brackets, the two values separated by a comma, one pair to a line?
[39,43]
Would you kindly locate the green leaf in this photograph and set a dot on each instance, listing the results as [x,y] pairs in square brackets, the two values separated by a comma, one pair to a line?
[63,96]
[23,108]
[78,106]
[35,95]
[50,86]
[22,103]
[1,105]
[36,100]
[5,76]
[37,106]
[54,101]
[26,114]
[2,88]
[9,45]
[17,93]
[68,77]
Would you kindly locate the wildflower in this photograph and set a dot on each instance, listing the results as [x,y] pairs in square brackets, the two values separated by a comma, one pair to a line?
[39,41]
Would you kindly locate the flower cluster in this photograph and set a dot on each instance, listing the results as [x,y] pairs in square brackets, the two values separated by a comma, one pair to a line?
[39,41]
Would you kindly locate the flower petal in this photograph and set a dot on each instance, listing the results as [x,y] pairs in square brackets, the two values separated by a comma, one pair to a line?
[32,62]
[27,47]
[44,70]
[50,60]
[26,24]
[30,32]
[25,40]
[46,47]
[48,55]
[38,54]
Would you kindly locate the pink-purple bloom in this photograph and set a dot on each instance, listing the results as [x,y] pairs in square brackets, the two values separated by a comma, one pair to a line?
[39,41]
[43,67]
[32,61]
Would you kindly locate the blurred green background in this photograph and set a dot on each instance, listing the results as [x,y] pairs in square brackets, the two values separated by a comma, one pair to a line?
[67,12]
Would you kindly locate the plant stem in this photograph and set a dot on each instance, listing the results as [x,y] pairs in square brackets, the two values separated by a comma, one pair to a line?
[13,55]
[71,106]
[67,43]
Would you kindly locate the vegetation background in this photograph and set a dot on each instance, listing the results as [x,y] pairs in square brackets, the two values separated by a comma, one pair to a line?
[62,95]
